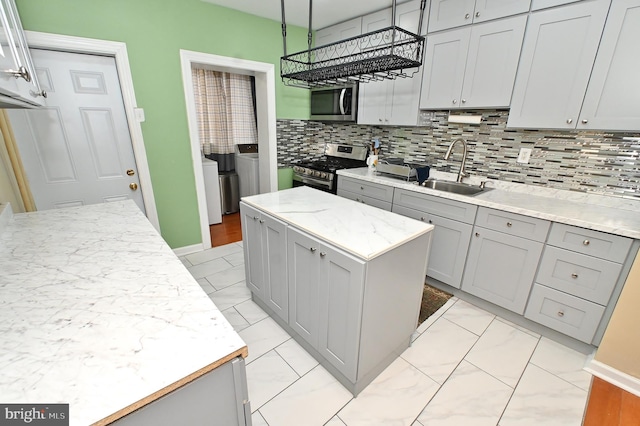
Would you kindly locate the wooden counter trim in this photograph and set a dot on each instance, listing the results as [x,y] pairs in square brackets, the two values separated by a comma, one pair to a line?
[243,352]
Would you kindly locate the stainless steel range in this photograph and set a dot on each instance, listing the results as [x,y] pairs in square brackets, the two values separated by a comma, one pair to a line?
[321,174]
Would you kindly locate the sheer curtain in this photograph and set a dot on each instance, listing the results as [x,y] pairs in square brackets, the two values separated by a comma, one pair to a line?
[226,114]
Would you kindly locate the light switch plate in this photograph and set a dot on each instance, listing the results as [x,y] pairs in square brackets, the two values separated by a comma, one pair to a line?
[524,156]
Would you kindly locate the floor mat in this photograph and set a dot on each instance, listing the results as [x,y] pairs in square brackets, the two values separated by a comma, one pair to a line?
[432,300]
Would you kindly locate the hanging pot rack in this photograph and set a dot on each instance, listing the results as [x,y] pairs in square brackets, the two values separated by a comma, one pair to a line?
[388,53]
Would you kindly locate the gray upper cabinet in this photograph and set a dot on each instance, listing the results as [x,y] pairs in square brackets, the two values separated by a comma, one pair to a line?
[612,101]
[558,52]
[338,32]
[544,4]
[472,67]
[19,85]
[392,102]
[445,14]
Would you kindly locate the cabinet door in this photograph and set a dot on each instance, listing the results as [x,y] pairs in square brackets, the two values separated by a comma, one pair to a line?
[444,64]
[557,57]
[486,10]
[276,289]
[612,101]
[338,32]
[450,13]
[372,102]
[543,4]
[341,292]
[303,271]
[405,100]
[408,16]
[252,246]
[492,62]
[501,267]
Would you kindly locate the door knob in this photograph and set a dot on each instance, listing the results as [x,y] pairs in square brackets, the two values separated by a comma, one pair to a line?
[130,172]
[133,186]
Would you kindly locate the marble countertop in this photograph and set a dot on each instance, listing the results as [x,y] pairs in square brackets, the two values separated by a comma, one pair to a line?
[364,231]
[607,214]
[97,311]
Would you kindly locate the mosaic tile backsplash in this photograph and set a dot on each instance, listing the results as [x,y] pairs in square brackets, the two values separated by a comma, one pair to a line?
[594,162]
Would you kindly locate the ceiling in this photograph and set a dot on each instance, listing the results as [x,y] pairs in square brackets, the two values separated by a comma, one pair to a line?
[325,12]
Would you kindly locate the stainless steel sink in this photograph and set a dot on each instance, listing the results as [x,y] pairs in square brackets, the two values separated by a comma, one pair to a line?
[453,187]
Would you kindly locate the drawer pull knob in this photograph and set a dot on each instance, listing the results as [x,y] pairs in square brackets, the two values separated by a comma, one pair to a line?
[586,242]
[261,220]
[255,218]
[477,234]
[574,275]
[467,16]
[362,188]
[313,249]
[322,254]
[430,221]
[560,314]
[422,219]
[357,199]
[509,224]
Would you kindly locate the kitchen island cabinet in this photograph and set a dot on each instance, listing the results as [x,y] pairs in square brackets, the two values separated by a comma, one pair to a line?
[98,312]
[355,279]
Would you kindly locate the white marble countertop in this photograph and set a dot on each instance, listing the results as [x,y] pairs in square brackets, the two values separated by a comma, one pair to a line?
[607,214]
[364,231]
[97,311]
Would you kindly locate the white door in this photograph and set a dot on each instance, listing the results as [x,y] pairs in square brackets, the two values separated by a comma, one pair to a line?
[77,149]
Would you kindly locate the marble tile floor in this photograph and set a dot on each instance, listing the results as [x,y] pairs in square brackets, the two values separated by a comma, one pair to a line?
[465,367]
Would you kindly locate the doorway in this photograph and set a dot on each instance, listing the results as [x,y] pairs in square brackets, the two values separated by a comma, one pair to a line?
[264,74]
[118,51]
[77,149]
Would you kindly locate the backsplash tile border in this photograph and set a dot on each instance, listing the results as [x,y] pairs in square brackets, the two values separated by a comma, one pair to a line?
[602,163]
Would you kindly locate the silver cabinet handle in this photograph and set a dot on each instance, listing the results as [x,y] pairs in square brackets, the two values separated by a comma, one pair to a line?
[21,72]
[574,275]
[586,242]
[261,220]
[422,219]
[560,314]
[430,221]
[467,16]
[313,249]
[477,14]
[509,224]
[464,101]
[455,101]
[256,218]
[585,121]
[322,254]
[477,234]
[569,120]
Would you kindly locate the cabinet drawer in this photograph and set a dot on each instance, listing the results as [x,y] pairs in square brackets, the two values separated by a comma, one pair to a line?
[451,209]
[514,224]
[594,243]
[577,274]
[364,199]
[567,314]
[370,189]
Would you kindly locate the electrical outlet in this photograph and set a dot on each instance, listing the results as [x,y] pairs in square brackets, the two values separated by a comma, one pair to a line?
[524,156]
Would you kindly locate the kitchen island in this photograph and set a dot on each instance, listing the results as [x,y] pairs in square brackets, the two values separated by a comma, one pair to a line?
[344,279]
[97,311]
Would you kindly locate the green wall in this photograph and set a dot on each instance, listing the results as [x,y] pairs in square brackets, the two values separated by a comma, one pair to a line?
[154,32]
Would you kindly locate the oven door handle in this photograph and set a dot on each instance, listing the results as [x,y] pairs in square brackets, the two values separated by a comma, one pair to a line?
[310,180]
[342,106]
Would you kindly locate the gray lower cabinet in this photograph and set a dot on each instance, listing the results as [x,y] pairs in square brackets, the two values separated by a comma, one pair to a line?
[503,257]
[578,273]
[326,292]
[453,223]
[265,242]
[218,398]
[370,193]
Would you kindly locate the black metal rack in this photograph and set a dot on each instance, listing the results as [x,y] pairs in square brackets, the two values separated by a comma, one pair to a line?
[383,54]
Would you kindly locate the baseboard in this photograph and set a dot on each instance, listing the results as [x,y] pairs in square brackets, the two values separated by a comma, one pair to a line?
[616,377]
[183,251]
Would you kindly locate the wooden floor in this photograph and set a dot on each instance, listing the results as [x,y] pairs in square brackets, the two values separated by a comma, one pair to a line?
[611,406]
[229,231]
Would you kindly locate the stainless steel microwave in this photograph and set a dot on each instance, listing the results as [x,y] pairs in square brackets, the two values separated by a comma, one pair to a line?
[334,103]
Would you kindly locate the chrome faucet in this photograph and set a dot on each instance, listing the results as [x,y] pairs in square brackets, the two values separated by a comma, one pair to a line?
[461,173]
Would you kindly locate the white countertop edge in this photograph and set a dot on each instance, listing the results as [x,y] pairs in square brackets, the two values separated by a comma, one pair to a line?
[512,197]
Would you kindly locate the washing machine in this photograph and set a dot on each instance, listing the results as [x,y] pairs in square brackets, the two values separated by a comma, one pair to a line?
[246,157]
[212,190]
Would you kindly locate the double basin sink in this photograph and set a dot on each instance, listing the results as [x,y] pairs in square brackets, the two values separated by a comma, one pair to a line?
[454,187]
